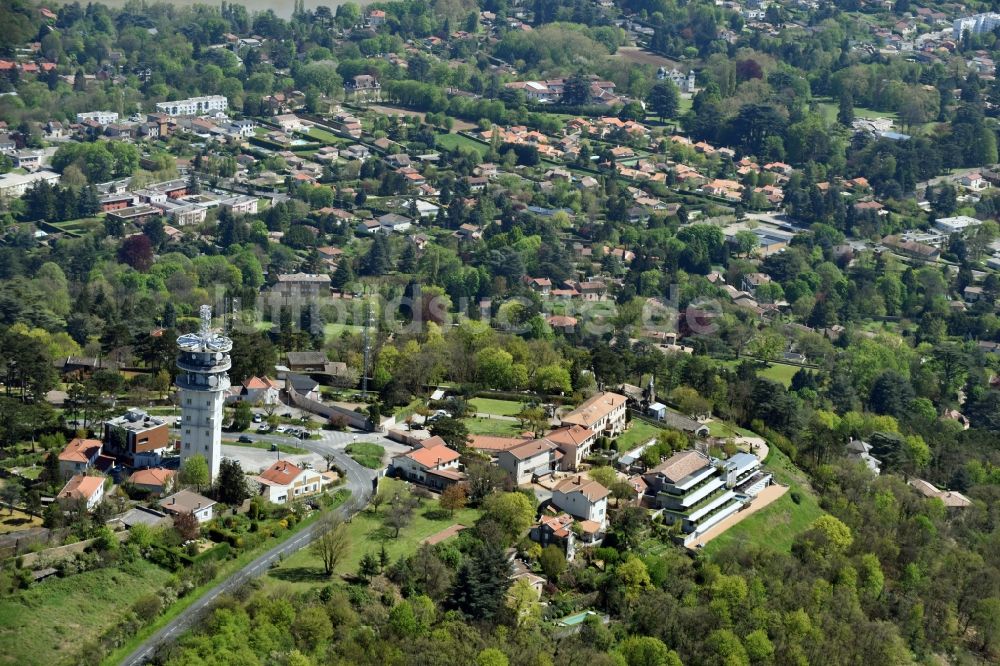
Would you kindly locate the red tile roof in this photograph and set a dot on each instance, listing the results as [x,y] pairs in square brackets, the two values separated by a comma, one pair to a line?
[81,487]
[594,409]
[495,443]
[433,456]
[281,473]
[80,450]
[154,476]
[592,490]
[574,435]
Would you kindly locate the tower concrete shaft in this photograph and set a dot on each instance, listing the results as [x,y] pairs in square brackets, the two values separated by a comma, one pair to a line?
[203,363]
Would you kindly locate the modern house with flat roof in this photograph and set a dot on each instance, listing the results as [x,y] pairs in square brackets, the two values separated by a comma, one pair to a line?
[698,492]
[137,439]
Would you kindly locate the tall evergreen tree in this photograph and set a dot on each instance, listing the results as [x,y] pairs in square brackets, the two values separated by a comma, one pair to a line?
[482,582]
[664,100]
[378,261]
[845,113]
[344,275]
[231,486]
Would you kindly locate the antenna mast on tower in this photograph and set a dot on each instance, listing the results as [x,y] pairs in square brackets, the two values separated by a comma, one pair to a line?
[368,348]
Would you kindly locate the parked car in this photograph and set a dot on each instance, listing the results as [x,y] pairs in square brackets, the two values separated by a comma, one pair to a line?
[281,428]
[257,418]
[245,439]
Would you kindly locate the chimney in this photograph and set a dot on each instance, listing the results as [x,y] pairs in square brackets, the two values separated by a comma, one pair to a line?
[173,500]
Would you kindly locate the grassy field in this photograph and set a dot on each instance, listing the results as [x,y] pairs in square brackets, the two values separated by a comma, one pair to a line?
[451,141]
[498,407]
[367,534]
[776,526]
[830,109]
[323,135]
[640,433]
[48,622]
[479,426]
[331,331]
[18,520]
[266,446]
[778,372]
[724,429]
[684,106]
[367,454]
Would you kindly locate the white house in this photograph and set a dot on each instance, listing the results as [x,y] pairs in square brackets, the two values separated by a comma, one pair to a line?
[603,413]
[79,456]
[289,122]
[574,442]
[87,488]
[240,205]
[535,458]
[102,117]
[284,482]
[432,464]
[582,498]
[14,185]
[194,106]
[187,501]
[974,182]
[426,208]
[955,225]
[391,222]
[259,391]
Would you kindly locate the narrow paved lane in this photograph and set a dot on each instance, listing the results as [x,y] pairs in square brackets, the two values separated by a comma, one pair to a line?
[359,481]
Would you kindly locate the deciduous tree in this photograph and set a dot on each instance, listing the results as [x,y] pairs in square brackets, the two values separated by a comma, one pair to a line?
[332,543]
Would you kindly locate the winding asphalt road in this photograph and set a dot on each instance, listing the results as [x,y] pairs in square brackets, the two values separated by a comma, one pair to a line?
[359,481]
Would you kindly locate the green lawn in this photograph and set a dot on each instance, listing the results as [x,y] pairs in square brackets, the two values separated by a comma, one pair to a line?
[830,109]
[367,454]
[48,622]
[331,331]
[725,429]
[776,526]
[451,141]
[479,426]
[323,135]
[498,407]
[778,372]
[367,534]
[639,433]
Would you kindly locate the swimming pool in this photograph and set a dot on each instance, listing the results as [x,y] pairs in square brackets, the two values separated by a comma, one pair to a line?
[573,620]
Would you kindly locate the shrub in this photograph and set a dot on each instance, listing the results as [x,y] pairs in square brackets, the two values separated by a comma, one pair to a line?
[147,607]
